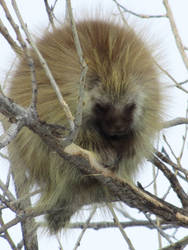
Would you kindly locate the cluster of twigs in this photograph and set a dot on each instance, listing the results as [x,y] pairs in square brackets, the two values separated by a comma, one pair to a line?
[170,215]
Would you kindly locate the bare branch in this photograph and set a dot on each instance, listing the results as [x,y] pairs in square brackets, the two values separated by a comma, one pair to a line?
[181,244]
[11,110]
[7,192]
[10,134]
[175,122]
[115,218]
[184,82]
[121,189]
[160,231]
[84,228]
[45,67]
[171,163]
[13,24]
[33,105]
[176,33]
[49,11]
[173,180]
[84,66]
[7,235]
[106,224]
[178,85]
[86,161]
[10,40]
[135,14]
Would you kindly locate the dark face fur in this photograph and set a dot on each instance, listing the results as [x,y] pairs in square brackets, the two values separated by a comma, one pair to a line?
[112,122]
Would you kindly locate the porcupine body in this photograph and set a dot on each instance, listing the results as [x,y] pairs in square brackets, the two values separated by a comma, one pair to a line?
[121,112]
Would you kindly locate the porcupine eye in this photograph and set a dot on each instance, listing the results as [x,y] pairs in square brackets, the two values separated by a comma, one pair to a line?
[101,109]
[128,111]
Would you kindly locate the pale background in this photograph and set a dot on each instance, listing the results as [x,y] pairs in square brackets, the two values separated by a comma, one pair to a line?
[35,16]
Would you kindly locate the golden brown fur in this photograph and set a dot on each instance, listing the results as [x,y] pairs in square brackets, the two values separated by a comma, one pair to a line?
[121,112]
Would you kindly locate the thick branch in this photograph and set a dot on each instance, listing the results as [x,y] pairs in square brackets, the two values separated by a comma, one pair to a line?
[173,181]
[84,159]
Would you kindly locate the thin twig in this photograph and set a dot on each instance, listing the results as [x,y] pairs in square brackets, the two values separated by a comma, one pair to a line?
[7,235]
[26,196]
[131,247]
[179,245]
[78,117]
[136,14]
[4,156]
[171,163]
[153,180]
[177,85]
[84,228]
[59,242]
[45,67]
[121,13]
[107,224]
[6,192]
[156,193]
[8,177]
[10,40]
[175,32]
[53,7]
[184,82]
[125,214]
[172,179]
[10,134]
[5,80]
[33,105]
[13,24]
[169,146]
[49,11]
[184,137]
[162,233]
[167,192]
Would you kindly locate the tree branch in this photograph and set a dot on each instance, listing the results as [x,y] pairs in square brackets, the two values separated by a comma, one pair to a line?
[176,33]
[87,163]
[173,180]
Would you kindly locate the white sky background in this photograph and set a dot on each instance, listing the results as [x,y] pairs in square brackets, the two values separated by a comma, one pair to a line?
[35,16]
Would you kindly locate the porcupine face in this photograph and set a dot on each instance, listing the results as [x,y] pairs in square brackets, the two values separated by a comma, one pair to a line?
[122,83]
[114,122]
[116,118]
